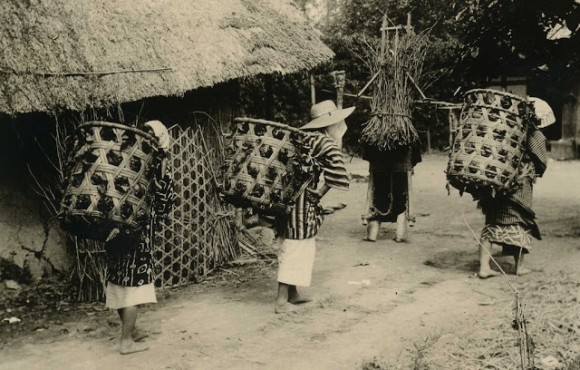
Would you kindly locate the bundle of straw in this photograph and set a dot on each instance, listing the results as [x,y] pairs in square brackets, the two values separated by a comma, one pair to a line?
[90,272]
[223,245]
[396,65]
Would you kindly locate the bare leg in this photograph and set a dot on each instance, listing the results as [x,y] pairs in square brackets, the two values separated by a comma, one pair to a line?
[519,262]
[410,210]
[138,335]
[282,299]
[294,297]
[401,232]
[128,318]
[485,270]
[373,229]
[369,199]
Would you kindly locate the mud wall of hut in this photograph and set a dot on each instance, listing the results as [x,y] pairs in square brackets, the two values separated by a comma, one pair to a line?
[31,247]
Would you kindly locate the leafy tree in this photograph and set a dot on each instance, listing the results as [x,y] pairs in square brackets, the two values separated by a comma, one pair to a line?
[511,36]
[523,37]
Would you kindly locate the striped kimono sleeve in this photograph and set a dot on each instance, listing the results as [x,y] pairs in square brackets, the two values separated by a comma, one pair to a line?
[537,150]
[306,216]
[328,154]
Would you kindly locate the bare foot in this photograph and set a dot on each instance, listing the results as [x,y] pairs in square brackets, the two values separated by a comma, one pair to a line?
[283,308]
[522,271]
[486,273]
[128,347]
[399,240]
[369,240]
[139,335]
[298,299]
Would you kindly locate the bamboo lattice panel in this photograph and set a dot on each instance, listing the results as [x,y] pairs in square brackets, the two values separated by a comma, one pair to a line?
[198,234]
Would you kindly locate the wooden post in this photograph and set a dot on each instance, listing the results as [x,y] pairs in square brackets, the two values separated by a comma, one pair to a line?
[453,111]
[339,81]
[384,34]
[408,18]
[428,140]
[312,89]
[450,118]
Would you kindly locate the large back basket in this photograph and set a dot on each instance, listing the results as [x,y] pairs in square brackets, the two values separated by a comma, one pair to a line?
[109,180]
[267,166]
[488,148]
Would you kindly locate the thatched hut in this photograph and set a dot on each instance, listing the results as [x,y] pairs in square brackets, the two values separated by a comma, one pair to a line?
[128,61]
[81,54]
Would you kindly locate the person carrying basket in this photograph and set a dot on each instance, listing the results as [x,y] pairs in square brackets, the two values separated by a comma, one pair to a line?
[509,218]
[298,228]
[130,264]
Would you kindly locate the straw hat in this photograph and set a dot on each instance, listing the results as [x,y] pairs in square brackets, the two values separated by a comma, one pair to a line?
[325,114]
[543,111]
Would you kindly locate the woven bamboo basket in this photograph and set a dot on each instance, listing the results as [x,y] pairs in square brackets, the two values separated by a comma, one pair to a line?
[109,180]
[487,150]
[267,166]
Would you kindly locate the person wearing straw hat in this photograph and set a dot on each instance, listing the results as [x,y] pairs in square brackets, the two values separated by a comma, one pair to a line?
[130,265]
[510,221]
[543,112]
[297,229]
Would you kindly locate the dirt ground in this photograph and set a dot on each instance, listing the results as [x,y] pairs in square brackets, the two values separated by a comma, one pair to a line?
[375,305]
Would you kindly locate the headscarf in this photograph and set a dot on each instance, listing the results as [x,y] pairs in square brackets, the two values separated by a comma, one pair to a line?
[161,133]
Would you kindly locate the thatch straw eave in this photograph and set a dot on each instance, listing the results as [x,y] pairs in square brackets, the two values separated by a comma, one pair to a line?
[92,53]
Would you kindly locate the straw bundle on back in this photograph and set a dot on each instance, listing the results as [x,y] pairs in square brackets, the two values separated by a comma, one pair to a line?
[394,63]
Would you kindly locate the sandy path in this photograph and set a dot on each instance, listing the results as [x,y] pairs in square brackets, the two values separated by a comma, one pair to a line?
[415,290]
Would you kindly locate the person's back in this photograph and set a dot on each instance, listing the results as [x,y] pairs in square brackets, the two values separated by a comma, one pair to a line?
[388,194]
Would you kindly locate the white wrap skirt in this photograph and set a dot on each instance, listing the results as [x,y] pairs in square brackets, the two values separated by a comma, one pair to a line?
[295,261]
[119,296]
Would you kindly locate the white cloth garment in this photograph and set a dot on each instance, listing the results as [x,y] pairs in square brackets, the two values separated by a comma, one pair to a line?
[126,296]
[295,261]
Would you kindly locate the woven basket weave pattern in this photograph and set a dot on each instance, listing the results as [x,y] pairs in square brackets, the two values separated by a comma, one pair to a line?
[261,170]
[487,150]
[110,176]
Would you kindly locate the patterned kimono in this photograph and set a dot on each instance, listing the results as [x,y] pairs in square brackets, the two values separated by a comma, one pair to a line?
[130,257]
[130,260]
[510,220]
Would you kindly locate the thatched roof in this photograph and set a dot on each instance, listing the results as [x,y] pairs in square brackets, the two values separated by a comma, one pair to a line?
[91,53]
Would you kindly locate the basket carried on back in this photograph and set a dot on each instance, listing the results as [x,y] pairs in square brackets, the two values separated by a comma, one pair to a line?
[488,148]
[267,166]
[109,180]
